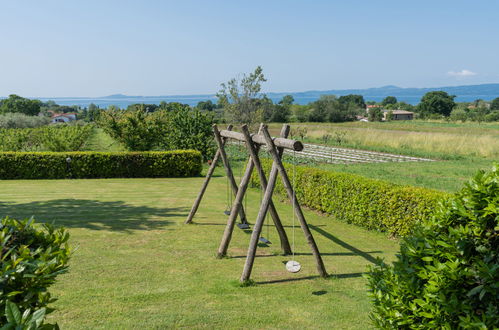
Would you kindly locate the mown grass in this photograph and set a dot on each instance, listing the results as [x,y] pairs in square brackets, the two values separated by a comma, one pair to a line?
[101,141]
[460,149]
[136,265]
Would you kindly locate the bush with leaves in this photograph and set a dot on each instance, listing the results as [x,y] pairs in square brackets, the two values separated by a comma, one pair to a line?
[49,138]
[136,129]
[31,256]
[19,120]
[447,273]
[189,129]
[179,128]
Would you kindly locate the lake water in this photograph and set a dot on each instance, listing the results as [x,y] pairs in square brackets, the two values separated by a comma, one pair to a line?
[192,100]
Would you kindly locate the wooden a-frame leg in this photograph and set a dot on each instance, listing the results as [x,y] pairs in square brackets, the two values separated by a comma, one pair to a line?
[253,150]
[257,229]
[296,206]
[228,169]
[195,206]
[236,206]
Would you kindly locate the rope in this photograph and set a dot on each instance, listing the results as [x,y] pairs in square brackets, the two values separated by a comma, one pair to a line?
[294,200]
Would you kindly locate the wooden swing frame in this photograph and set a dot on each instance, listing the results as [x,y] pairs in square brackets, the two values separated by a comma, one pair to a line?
[276,147]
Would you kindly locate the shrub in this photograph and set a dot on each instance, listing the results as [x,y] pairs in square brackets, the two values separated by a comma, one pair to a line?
[31,258]
[179,127]
[369,203]
[19,120]
[447,273]
[48,138]
[54,165]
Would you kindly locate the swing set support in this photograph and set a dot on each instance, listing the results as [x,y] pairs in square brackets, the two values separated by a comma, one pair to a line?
[275,147]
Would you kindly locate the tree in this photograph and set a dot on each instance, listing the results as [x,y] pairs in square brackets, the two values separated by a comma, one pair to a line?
[328,109]
[205,105]
[437,102]
[354,100]
[494,105]
[375,114]
[18,104]
[389,100]
[241,98]
[282,110]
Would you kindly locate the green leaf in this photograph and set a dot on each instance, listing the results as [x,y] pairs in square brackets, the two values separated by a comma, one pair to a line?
[12,313]
[474,291]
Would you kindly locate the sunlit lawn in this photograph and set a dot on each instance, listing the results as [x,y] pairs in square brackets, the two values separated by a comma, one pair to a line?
[136,265]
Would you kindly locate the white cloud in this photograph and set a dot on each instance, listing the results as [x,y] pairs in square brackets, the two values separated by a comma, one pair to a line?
[462,73]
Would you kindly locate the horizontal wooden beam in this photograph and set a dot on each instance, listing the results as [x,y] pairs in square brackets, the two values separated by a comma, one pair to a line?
[260,139]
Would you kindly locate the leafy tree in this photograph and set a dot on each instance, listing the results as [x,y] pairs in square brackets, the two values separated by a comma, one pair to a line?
[389,115]
[241,98]
[459,114]
[206,105]
[437,102]
[389,100]
[146,107]
[494,105]
[300,112]
[18,104]
[328,109]
[357,101]
[136,129]
[93,113]
[287,100]
[189,129]
[375,114]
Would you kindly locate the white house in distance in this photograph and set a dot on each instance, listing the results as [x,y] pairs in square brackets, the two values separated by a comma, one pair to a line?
[63,117]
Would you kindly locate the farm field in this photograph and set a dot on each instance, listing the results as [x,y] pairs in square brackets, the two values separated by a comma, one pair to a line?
[135,263]
[460,149]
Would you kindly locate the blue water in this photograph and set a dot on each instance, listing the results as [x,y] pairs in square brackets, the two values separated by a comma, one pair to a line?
[123,102]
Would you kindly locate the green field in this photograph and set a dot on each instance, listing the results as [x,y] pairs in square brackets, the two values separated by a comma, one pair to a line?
[459,148]
[136,264]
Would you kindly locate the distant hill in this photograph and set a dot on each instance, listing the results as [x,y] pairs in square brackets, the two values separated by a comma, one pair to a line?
[466,93]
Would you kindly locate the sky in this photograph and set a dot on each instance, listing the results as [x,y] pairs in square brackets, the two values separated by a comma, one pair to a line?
[57,48]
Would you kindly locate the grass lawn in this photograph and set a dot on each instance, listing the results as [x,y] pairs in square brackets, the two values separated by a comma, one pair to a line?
[136,265]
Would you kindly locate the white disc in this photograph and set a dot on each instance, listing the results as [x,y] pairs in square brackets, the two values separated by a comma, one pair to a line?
[293,266]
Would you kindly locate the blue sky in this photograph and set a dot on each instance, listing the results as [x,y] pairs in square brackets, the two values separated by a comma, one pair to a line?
[95,48]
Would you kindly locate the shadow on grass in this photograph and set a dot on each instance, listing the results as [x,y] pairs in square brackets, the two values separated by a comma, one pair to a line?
[345,245]
[93,214]
[312,277]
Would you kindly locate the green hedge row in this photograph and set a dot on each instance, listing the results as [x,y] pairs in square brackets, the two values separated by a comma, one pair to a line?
[55,165]
[370,203]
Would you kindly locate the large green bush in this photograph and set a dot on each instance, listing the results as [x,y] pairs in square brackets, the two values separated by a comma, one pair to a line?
[31,258]
[55,165]
[178,128]
[447,273]
[373,204]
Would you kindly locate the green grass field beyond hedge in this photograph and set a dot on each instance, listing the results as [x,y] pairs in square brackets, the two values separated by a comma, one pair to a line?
[136,265]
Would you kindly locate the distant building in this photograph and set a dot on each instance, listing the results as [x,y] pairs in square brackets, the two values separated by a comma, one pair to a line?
[63,117]
[399,114]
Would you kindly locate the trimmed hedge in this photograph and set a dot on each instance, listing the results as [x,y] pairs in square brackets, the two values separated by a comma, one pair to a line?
[54,165]
[369,203]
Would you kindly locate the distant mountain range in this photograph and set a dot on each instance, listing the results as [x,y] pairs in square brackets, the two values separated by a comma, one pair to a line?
[467,93]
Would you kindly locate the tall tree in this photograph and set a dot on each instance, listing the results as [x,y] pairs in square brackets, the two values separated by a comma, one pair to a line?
[494,105]
[18,104]
[241,98]
[437,102]
[354,100]
[389,100]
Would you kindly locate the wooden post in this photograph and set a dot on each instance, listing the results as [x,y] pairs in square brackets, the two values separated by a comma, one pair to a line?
[253,150]
[298,211]
[228,169]
[257,229]
[205,183]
